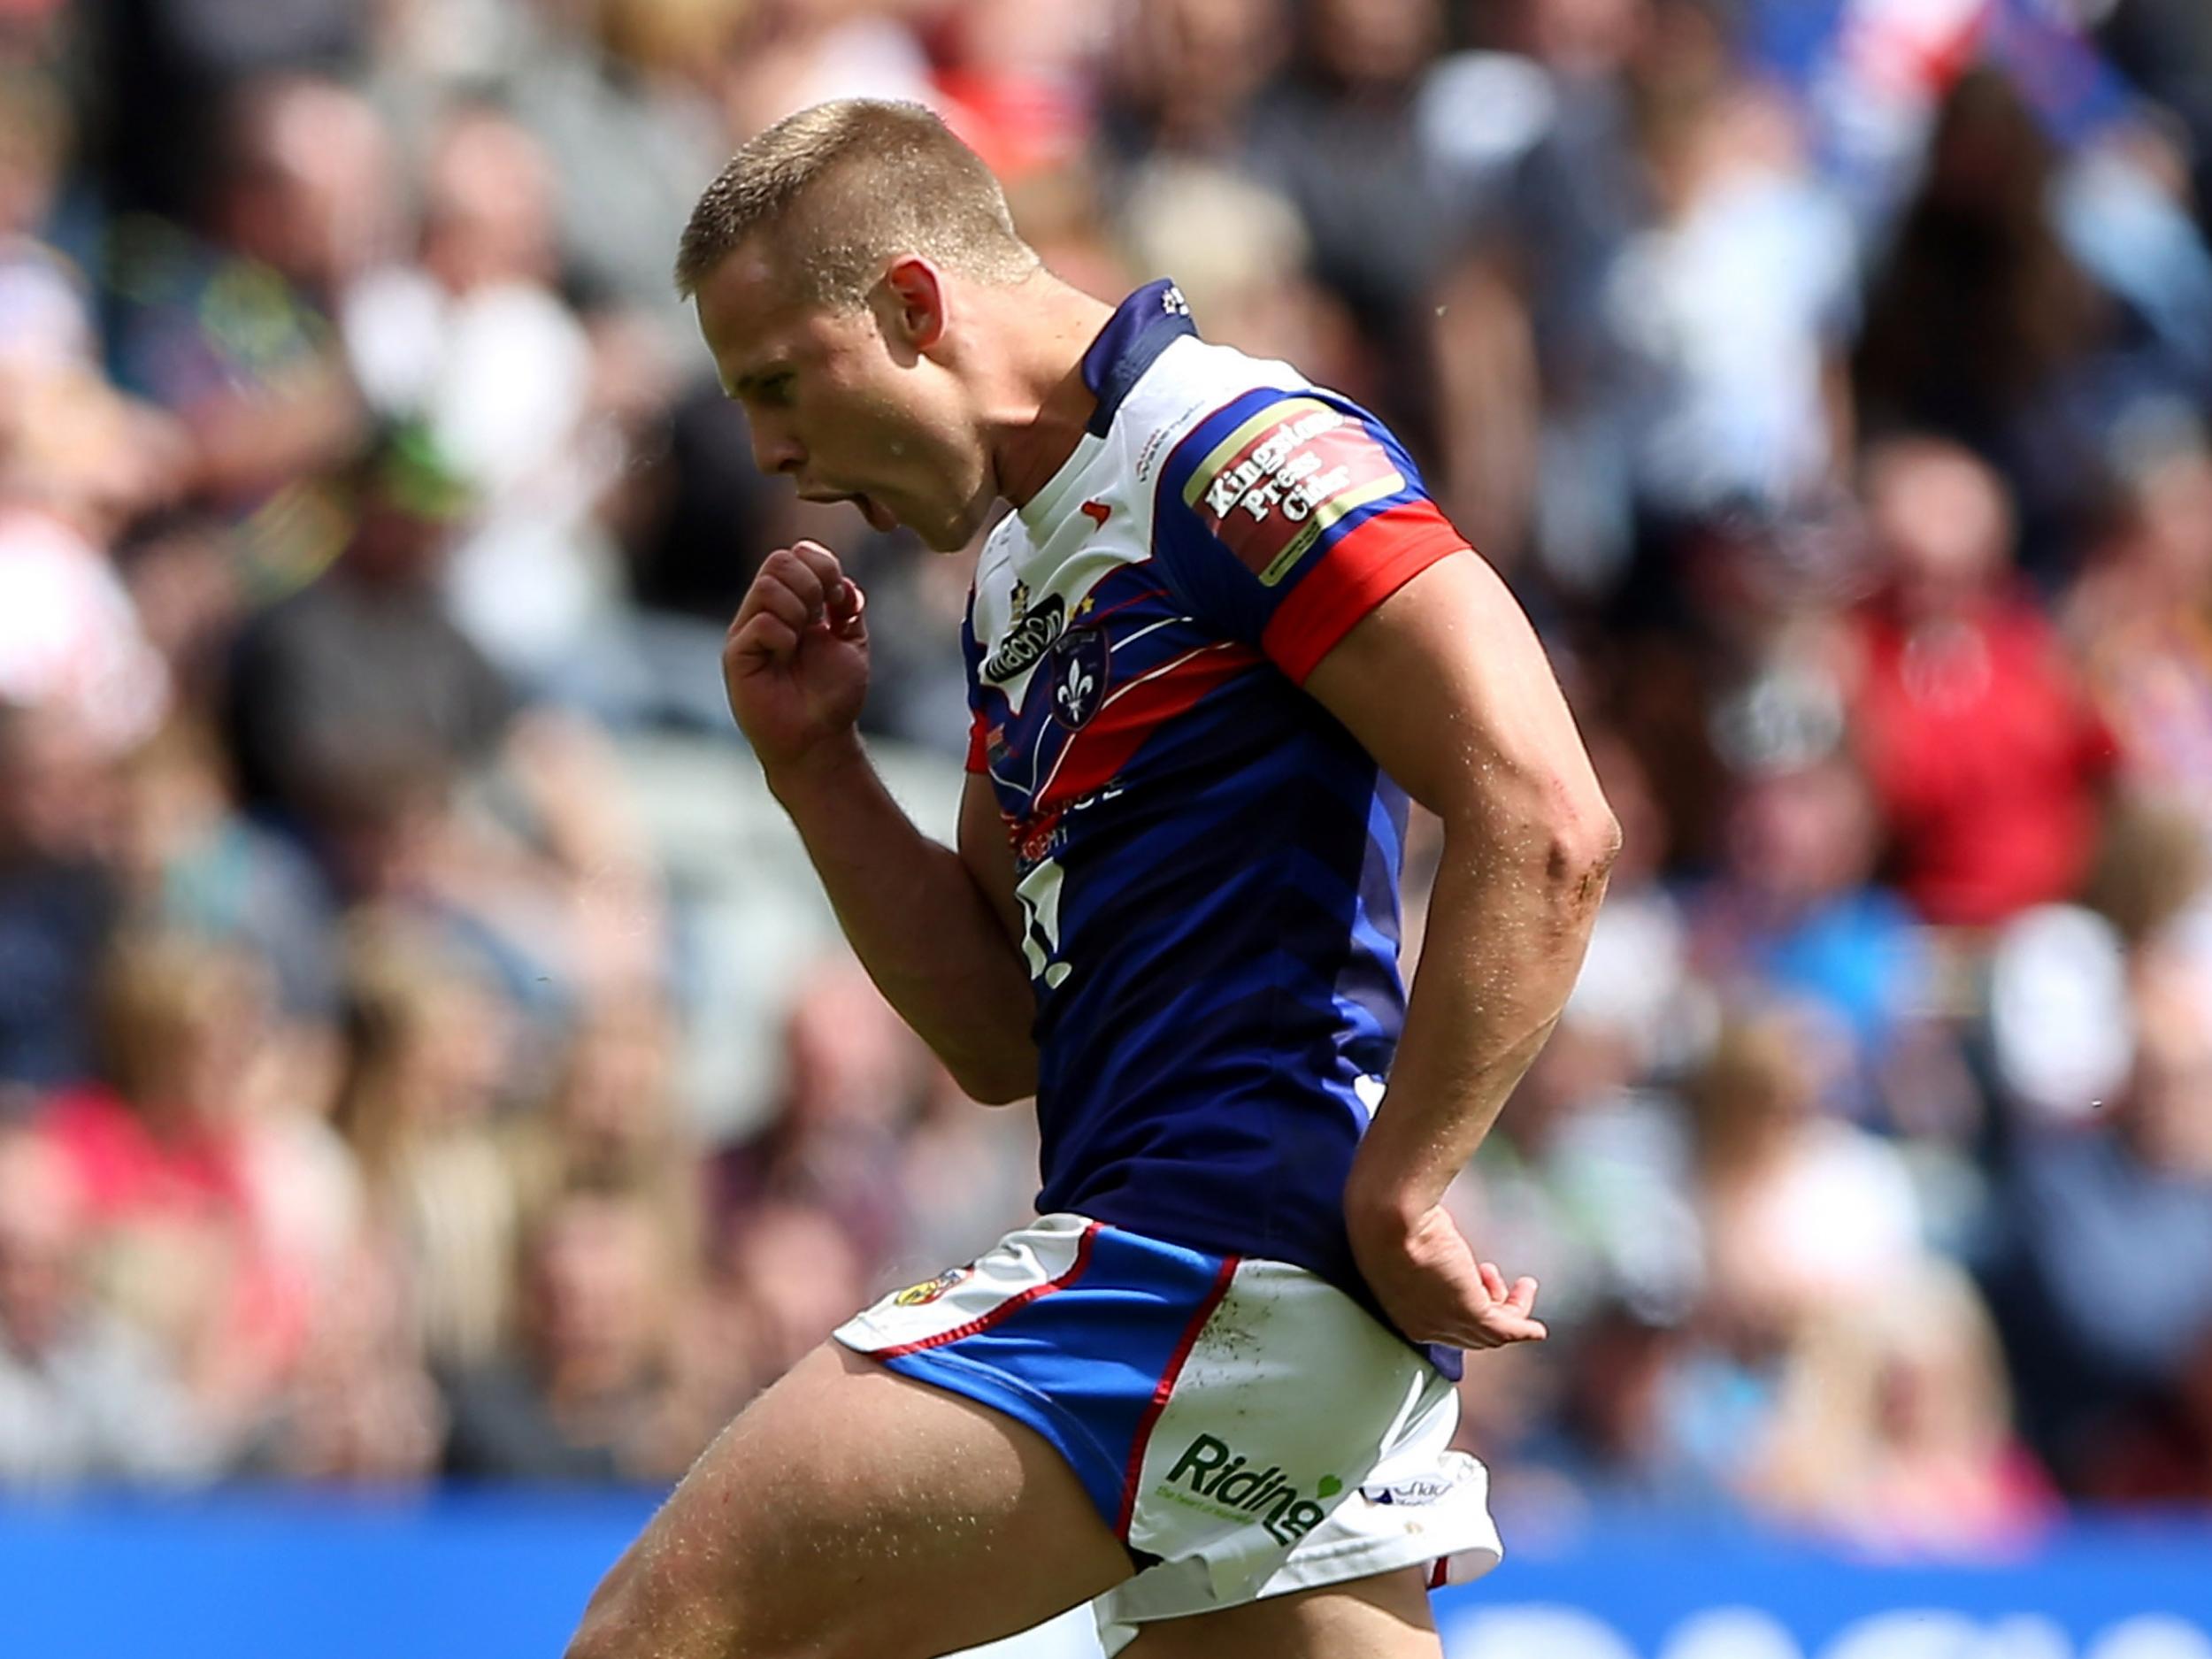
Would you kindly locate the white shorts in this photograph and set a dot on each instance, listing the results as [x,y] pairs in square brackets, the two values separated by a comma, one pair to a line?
[1244,1423]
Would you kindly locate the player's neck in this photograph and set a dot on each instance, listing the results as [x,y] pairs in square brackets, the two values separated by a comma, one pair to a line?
[1040,419]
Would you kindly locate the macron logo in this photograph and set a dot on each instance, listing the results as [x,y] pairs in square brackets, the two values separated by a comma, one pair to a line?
[1098,513]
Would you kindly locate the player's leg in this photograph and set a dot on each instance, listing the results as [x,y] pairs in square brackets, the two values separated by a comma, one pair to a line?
[851,1512]
[1385,1617]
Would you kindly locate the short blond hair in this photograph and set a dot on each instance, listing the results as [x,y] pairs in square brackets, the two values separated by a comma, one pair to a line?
[847,186]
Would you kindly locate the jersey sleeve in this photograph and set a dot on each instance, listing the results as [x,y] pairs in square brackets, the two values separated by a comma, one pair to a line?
[978,718]
[1283,518]
[979,740]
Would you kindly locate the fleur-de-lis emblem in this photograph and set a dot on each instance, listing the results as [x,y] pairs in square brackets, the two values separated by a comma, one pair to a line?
[1076,686]
[1079,675]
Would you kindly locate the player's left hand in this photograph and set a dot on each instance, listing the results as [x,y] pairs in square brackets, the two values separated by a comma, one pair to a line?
[1424,1274]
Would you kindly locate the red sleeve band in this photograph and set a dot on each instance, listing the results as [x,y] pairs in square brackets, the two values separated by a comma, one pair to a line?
[1375,559]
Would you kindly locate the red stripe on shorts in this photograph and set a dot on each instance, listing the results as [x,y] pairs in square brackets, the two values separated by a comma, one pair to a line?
[1167,1387]
[983,1322]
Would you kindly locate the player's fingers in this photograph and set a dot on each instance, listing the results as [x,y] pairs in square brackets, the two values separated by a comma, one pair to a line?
[1493,1332]
[846,604]
[788,569]
[819,560]
[1492,1281]
[759,596]
[1522,1299]
[776,599]
[762,639]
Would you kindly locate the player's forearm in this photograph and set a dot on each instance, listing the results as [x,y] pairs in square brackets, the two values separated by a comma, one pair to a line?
[1509,920]
[923,929]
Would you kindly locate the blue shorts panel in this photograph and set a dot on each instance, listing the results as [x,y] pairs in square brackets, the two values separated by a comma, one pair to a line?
[1083,1358]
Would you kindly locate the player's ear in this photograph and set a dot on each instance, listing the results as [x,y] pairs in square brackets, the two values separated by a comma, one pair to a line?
[917,301]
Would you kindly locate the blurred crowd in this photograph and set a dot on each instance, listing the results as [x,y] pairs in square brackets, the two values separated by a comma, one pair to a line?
[1832,379]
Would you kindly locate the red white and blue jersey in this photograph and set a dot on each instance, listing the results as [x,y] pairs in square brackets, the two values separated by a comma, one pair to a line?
[1208,863]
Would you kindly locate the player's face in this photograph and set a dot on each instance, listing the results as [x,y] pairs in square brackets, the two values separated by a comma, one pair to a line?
[847,405]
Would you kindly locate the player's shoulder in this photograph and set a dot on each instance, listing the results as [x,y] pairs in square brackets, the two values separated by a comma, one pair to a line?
[1194,382]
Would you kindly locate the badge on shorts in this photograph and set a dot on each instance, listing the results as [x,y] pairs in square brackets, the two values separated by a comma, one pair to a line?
[922,1295]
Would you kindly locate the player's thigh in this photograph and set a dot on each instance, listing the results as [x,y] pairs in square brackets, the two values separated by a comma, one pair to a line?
[1385,1617]
[851,1511]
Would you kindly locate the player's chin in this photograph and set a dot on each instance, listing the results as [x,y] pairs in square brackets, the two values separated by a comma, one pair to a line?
[952,533]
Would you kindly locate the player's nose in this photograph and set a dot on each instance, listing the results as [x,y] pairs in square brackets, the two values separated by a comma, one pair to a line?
[777,452]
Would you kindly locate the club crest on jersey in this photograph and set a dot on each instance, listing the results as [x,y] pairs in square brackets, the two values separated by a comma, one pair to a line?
[922,1295]
[1030,637]
[1271,489]
[1079,676]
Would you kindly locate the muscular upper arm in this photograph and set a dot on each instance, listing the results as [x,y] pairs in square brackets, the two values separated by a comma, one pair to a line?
[987,854]
[1447,687]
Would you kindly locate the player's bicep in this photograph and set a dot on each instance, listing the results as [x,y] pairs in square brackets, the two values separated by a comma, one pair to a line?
[987,854]
[1446,684]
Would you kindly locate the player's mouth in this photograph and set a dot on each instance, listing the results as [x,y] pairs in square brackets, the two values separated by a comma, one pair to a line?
[879,517]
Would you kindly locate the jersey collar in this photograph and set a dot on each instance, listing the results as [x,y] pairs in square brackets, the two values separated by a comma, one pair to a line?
[1142,327]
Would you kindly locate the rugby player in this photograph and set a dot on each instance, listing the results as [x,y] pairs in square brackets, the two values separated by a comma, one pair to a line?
[1221,636]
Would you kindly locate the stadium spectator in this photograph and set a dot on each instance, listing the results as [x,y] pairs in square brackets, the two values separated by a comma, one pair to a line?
[1799,1209]
[45,313]
[75,461]
[598,1393]
[169,64]
[1981,325]
[1184,75]
[1797,914]
[360,1404]
[612,1119]
[630,101]
[82,1395]
[1612,1439]
[230,328]
[164,1147]
[1975,732]
[1336,133]
[2140,618]
[1013,80]
[194,863]
[1894,1429]
[852,1075]
[2098,1286]
[1731,306]
[58,897]
[473,340]
[785,1274]
[364,662]
[2165,47]
[426,1062]
[363,719]
[1240,253]
[1588,1180]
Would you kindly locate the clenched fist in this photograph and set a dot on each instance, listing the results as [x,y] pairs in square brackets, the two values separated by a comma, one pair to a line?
[796,661]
